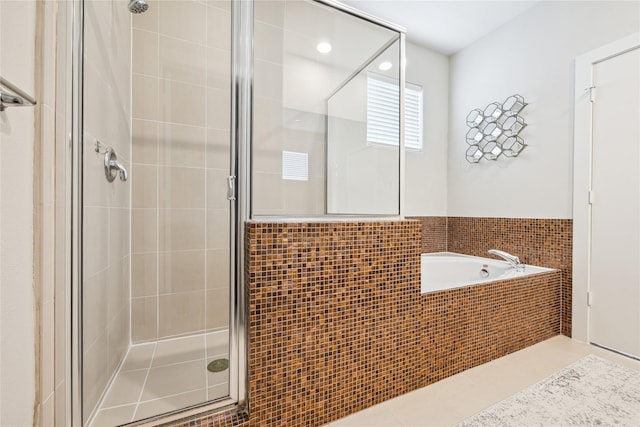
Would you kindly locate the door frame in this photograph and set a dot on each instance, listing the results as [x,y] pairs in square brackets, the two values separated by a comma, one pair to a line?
[582,162]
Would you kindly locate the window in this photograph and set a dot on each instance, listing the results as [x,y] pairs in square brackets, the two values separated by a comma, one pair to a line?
[383,112]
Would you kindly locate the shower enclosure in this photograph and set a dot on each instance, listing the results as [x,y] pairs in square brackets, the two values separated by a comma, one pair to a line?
[191,118]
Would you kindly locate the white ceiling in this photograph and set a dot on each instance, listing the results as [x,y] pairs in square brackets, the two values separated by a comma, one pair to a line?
[444,26]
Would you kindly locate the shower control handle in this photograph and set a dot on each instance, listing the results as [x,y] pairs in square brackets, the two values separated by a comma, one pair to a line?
[112,167]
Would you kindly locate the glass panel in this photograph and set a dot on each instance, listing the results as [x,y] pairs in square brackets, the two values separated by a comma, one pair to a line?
[302,59]
[156,244]
[363,139]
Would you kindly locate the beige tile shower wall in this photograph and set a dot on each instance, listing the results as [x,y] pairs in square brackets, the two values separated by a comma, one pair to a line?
[107,113]
[180,214]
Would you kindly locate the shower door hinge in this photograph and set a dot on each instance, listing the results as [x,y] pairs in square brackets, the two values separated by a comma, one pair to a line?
[592,93]
[231,187]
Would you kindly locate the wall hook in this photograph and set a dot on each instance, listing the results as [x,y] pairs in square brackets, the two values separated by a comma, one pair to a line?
[13,96]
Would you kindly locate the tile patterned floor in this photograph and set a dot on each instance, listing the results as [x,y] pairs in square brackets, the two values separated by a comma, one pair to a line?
[164,376]
[456,398]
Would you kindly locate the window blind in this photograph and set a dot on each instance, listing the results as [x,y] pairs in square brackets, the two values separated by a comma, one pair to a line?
[383,100]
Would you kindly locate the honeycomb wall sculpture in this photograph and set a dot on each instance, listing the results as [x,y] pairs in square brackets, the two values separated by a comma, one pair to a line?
[494,131]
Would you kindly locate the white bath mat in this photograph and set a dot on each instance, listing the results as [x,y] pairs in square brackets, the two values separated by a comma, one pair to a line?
[589,392]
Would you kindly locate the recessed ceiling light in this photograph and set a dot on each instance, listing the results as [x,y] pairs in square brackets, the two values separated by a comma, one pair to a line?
[385,66]
[324,47]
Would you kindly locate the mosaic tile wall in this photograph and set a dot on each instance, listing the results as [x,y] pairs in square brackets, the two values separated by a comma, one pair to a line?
[333,326]
[338,324]
[544,242]
[434,233]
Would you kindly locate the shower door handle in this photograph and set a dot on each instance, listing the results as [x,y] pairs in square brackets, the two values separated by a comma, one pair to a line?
[231,187]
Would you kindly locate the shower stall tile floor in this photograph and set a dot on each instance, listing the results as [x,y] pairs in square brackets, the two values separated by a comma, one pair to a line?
[163,376]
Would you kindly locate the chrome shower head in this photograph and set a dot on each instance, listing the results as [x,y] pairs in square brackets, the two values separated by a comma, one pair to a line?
[138,6]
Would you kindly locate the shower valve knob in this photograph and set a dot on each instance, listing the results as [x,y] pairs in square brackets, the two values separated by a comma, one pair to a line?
[112,167]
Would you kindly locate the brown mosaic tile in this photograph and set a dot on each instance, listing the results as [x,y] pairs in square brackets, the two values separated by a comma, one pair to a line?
[434,233]
[337,322]
[230,418]
[339,304]
[466,327]
[543,242]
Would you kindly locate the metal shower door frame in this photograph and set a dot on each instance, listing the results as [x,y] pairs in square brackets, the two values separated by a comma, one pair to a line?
[242,49]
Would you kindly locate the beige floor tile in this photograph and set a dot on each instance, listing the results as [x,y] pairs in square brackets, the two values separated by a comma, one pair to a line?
[126,388]
[139,357]
[456,398]
[170,403]
[114,416]
[179,350]
[439,404]
[377,416]
[174,379]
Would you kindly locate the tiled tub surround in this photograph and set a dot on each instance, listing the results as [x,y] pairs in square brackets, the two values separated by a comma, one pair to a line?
[543,242]
[466,327]
[338,324]
[537,241]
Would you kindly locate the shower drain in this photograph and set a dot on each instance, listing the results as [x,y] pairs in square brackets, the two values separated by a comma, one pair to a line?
[218,365]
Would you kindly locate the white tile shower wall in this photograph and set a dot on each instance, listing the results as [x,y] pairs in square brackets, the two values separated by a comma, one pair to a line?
[107,117]
[180,214]
[532,55]
[17,314]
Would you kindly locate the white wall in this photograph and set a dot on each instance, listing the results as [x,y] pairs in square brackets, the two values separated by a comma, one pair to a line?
[17,341]
[426,171]
[532,55]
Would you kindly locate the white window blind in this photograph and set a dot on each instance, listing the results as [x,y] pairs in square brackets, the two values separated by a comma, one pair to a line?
[383,113]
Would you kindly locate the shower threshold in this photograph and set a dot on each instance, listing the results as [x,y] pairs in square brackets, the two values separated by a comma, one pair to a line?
[162,376]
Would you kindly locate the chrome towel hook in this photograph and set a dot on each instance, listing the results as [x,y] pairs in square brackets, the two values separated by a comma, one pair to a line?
[17,97]
[112,167]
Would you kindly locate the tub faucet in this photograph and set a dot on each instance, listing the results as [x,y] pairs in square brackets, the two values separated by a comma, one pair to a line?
[513,260]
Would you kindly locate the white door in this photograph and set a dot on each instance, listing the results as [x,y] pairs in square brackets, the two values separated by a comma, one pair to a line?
[614,316]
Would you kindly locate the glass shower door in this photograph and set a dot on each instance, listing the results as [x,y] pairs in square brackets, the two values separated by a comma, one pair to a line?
[156,218]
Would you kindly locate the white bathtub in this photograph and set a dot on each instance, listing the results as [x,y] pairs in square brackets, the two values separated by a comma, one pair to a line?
[448,270]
